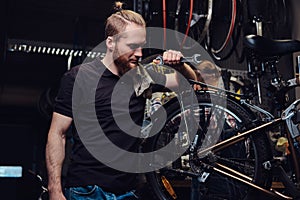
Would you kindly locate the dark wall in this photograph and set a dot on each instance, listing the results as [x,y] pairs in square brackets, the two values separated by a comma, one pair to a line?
[28,81]
[57,21]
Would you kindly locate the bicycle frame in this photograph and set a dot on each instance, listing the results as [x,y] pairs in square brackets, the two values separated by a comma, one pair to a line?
[270,121]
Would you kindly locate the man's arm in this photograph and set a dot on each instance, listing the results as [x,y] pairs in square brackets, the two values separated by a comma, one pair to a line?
[172,58]
[55,154]
[172,80]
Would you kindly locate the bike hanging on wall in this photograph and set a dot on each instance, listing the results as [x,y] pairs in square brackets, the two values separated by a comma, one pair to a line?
[240,150]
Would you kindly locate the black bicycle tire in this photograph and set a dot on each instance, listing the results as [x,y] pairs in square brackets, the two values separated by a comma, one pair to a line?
[259,141]
[207,22]
[231,47]
[230,29]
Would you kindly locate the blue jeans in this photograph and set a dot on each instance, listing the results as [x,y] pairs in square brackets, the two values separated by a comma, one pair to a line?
[94,192]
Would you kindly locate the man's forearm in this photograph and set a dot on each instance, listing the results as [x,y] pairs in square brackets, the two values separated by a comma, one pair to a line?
[55,154]
[187,72]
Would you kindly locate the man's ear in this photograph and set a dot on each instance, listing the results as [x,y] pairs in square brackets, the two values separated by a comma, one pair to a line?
[110,43]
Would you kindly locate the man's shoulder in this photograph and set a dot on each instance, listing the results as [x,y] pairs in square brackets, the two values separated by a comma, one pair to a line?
[94,66]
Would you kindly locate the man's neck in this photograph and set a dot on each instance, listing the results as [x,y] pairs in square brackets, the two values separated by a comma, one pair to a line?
[110,65]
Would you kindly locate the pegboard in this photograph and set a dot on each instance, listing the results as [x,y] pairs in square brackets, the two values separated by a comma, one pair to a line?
[242,73]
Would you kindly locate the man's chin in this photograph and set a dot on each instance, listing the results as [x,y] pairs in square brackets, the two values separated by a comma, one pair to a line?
[132,65]
[129,66]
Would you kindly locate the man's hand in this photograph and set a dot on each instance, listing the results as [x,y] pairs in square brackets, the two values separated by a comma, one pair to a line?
[172,58]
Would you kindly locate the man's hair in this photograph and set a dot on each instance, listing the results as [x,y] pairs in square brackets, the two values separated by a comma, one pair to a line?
[118,21]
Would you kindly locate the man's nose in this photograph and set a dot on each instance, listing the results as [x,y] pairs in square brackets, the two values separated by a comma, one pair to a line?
[138,52]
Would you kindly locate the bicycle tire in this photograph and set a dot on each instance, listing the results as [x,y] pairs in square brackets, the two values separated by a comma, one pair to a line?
[230,29]
[259,152]
[198,30]
[221,29]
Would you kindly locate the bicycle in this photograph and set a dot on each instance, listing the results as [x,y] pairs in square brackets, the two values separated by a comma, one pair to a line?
[201,19]
[232,155]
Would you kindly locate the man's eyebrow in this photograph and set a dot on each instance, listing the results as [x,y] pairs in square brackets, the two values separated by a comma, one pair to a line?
[135,43]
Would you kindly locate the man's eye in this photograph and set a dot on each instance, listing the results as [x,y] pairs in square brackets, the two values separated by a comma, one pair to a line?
[135,46]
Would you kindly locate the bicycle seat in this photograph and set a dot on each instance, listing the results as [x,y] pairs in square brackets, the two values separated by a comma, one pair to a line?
[269,47]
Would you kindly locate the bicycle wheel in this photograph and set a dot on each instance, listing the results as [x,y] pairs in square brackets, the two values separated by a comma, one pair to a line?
[177,179]
[221,27]
[196,28]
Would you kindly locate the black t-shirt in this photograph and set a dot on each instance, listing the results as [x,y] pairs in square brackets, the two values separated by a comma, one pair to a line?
[97,99]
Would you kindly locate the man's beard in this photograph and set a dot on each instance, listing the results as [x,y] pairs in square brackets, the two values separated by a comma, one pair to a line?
[122,63]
